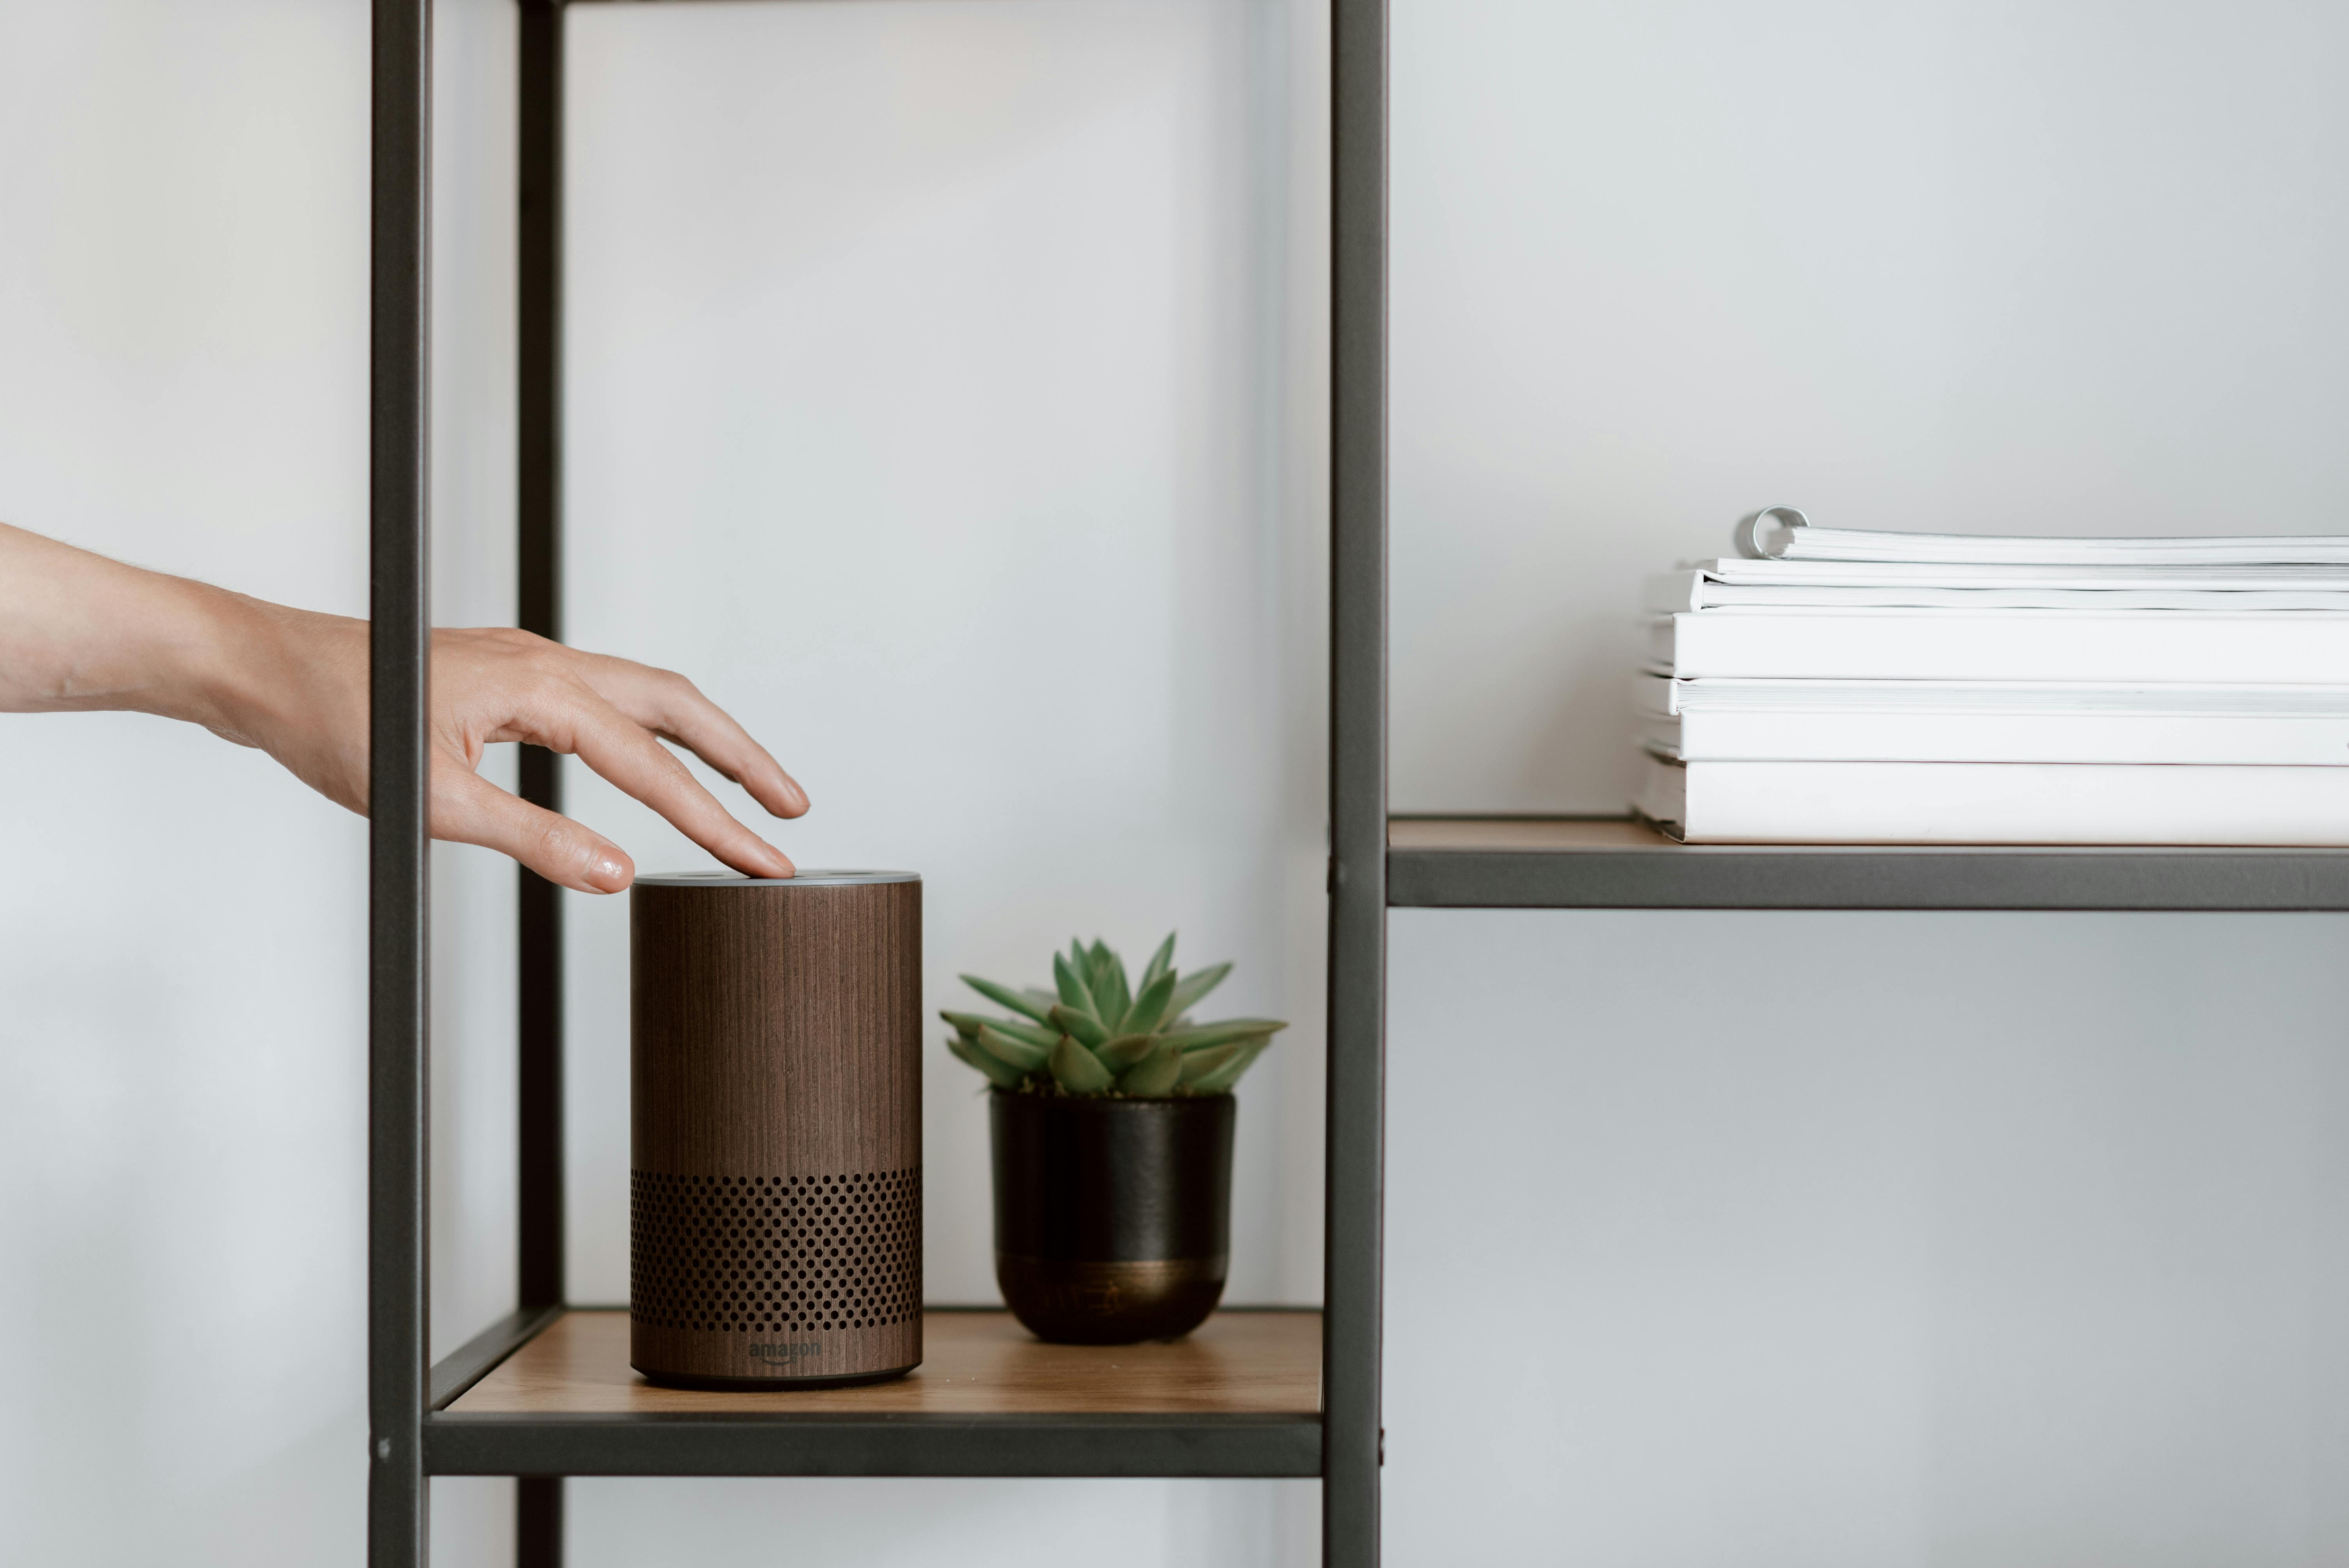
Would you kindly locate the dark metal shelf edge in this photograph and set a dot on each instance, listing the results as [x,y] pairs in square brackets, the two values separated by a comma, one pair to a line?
[907,1445]
[480,1356]
[1722,877]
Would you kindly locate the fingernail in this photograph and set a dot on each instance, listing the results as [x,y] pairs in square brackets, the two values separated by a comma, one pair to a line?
[608,873]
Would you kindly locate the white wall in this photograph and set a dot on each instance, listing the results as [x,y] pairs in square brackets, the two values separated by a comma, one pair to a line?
[183,942]
[473,1089]
[1853,1239]
[1847,1239]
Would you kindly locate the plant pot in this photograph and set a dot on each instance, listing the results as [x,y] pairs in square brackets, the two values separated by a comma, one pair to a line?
[1112,1217]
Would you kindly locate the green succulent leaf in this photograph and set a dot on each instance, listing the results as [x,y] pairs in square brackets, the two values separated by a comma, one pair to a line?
[1124,1050]
[968,1025]
[1160,962]
[1149,1009]
[1206,1035]
[1198,1065]
[1156,1074]
[1075,994]
[1077,1070]
[1098,1029]
[1105,973]
[1012,1051]
[1219,1079]
[1194,986]
[1005,997]
[1000,1074]
[1083,1025]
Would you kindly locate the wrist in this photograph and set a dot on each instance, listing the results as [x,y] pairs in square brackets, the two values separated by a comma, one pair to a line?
[199,661]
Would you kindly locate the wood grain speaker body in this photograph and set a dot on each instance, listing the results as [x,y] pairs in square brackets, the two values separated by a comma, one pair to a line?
[776,1070]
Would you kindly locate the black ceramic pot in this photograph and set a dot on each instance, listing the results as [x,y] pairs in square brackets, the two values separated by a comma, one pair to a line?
[1112,1217]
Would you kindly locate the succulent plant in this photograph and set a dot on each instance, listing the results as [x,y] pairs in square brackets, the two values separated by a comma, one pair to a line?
[1093,1034]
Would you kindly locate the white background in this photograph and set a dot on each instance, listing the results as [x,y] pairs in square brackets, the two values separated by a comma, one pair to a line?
[944,398]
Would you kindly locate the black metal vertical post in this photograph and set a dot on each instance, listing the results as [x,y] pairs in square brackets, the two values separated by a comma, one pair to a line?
[538,1500]
[400,675]
[539,523]
[1358,783]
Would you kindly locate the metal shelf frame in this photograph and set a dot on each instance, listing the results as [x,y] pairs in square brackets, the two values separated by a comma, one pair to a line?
[548,1447]
[411,1438]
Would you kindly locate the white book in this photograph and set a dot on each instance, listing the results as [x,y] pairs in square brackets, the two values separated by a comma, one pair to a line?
[1783,534]
[1854,544]
[1933,721]
[2007,574]
[1695,589]
[2120,646]
[1993,803]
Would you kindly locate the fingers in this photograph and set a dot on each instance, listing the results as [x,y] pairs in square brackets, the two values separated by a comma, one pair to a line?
[625,753]
[667,704]
[467,809]
[498,684]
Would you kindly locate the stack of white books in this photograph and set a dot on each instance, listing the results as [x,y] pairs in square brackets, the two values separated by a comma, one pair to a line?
[1841,686]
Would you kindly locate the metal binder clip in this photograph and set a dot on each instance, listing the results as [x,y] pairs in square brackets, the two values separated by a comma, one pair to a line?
[1748,539]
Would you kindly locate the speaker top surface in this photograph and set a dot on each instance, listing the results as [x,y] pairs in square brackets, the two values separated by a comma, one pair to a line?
[805,879]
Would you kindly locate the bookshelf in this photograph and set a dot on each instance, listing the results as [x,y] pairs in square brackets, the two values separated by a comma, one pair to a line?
[546,1393]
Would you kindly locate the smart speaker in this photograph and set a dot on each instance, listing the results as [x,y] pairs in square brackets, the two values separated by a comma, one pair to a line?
[776,1069]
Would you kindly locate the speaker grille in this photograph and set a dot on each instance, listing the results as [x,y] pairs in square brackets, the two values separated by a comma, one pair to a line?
[759,1254]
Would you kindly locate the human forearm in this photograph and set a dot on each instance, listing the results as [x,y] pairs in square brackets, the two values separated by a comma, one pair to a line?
[80,633]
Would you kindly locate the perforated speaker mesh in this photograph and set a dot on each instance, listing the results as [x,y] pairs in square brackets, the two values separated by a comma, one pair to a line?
[762,1253]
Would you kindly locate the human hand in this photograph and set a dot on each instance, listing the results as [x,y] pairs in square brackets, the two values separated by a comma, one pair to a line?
[80,631]
[302,698]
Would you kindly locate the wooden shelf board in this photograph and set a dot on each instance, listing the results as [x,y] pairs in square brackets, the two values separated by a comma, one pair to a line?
[975,1364]
[1615,862]
[1523,835]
